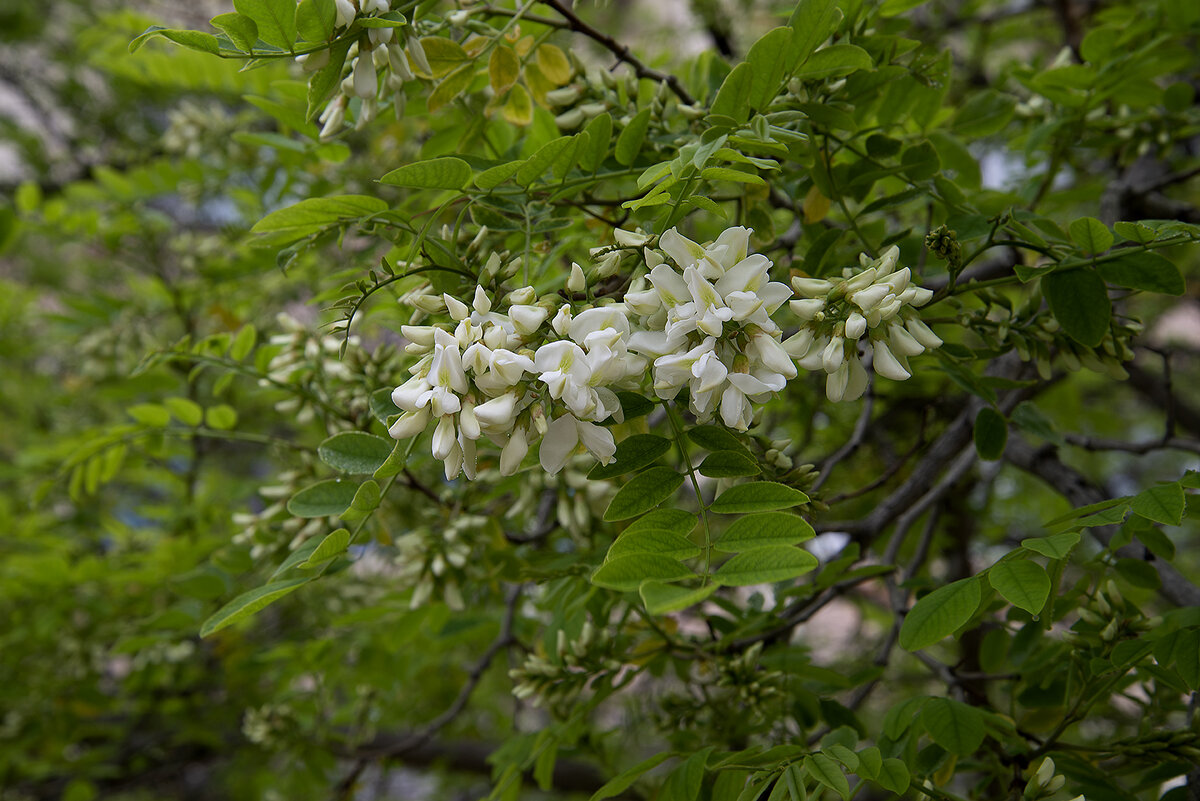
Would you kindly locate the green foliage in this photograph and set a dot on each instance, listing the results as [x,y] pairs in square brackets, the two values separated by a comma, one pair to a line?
[234,562]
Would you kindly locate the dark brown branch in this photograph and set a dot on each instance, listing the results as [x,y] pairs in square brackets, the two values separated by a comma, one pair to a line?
[622,52]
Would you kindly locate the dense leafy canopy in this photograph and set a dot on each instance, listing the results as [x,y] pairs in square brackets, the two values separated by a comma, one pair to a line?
[795,407]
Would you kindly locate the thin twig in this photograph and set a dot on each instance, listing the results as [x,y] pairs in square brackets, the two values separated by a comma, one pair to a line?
[622,52]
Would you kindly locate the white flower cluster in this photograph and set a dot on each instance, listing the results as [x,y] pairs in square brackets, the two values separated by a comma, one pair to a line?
[380,50]
[878,303]
[707,325]
[701,319]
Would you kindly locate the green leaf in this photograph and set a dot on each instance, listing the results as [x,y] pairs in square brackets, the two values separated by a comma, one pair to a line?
[771,59]
[149,414]
[1138,269]
[276,20]
[450,87]
[870,760]
[642,493]
[623,781]
[733,98]
[240,29]
[1187,657]
[676,521]
[323,499]
[185,411]
[626,573]
[939,614]
[311,215]
[827,772]
[1159,543]
[1079,301]
[921,161]
[447,172]
[629,143]
[757,496]
[355,452]
[729,174]
[1136,232]
[953,725]
[1139,573]
[1162,504]
[492,177]
[222,417]
[715,438]
[728,464]
[665,543]
[334,544]
[834,62]
[322,82]
[545,158]
[315,20]
[991,433]
[193,40]
[811,23]
[243,343]
[893,776]
[633,453]
[1029,417]
[599,135]
[766,528]
[662,599]
[984,113]
[249,603]
[1056,546]
[1022,583]
[683,783]
[1091,235]
[765,565]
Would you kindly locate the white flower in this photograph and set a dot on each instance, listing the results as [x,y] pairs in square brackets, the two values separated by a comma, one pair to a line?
[565,434]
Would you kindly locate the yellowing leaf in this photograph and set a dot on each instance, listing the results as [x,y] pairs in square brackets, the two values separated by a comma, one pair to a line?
[519,108]
[538,83]
[503,70]
[451,87]
[524,46]
[816,206]
[554,64]
[444,55]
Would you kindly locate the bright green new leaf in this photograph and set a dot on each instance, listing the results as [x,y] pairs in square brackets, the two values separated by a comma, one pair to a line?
[315,20]
[733,98]
[447,172]
[185,411]
[811,23]
[642,493]
[772,58]
[626,573]
[666,543]
[939,614]
[1022,583]
[758,496]
[276,20]
[676,521]
[766,528]
[240,29]
[222,417]
[149,414]
[194,40]
[765,565]
[545,158]
[310,216]
[599,132]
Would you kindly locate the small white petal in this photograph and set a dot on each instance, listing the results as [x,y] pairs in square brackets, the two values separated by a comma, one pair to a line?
[886,364]
[558,443]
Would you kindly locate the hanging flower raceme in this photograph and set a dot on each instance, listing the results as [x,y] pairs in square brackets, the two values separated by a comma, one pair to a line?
[707,325]
[470,383]
[876,309]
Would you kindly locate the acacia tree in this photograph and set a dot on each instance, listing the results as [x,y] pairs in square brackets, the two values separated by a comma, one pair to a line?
[588,390]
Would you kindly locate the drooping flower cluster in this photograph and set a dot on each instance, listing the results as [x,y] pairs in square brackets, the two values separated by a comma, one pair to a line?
[707,325]
[879,303]
[526,367]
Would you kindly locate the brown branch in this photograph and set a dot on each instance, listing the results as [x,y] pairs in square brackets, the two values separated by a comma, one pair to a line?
[622,52]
